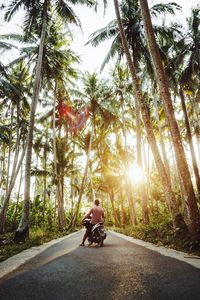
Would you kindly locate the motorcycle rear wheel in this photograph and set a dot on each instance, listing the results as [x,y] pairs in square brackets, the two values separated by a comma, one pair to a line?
[101,241]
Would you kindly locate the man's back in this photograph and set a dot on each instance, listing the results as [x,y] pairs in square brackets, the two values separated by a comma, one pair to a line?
[97,214]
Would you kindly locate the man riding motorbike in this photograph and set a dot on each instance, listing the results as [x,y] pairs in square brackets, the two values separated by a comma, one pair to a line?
[96,213]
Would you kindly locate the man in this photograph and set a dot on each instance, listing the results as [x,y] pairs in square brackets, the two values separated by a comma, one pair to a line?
[96,214]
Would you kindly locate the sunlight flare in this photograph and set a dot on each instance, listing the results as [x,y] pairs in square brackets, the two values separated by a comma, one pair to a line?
[135,174]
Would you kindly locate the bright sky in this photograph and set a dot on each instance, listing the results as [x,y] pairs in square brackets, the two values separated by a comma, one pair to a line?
[91,57]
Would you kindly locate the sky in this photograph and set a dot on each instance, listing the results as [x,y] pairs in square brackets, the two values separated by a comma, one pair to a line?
[92,58]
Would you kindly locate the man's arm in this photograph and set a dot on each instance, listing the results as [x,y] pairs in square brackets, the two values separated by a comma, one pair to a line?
[87,215]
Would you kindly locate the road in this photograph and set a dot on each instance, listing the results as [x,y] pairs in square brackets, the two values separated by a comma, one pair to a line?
[119,270]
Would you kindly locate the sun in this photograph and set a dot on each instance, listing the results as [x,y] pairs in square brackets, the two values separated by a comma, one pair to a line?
[135,174]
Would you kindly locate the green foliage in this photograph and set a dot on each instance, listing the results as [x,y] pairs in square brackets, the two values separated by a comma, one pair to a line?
[160,232]
[37,236]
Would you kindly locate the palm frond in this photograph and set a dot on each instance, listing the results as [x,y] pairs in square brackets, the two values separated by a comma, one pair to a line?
[157,9]
[114,49]
[103,34]
[66,12]
[12,9]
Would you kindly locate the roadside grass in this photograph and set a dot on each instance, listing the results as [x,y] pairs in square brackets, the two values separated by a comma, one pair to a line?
[37,237]
[163,234]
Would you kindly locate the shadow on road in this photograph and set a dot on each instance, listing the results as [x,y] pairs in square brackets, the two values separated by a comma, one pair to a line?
[119,270]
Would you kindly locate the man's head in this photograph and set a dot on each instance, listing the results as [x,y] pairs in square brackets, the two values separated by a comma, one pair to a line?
[96,202]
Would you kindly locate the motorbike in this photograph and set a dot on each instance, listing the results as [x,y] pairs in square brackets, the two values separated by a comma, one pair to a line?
[97,232]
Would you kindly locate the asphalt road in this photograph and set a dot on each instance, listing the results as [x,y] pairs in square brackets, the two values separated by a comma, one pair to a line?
[119,270]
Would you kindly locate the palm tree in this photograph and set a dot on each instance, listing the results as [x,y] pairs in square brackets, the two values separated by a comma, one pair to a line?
[193,213]
[135,37]
[170,197]
[17,94]
[91,134]
[180,76]
[38,12]
[120,77]
[58,76]
[94,91]
[188,63]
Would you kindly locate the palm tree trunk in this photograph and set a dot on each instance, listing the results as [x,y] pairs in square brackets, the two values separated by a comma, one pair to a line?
[74,221]
[4,209]
[193,213]
[189,138]
[128,188]
[197,121]
[123,213]
[142,185]
[91,185]
[9,151]
[55,157]
[11,181]
[164,154]
[131,203]
[170,197]
[2,169]
[45,175]
[117,223]
[23,227]
[17,203]
[60,194]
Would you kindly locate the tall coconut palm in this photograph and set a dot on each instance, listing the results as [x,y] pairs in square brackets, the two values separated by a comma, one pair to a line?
[58,77]
[170,197]
[186,59]
[37,19]
[95,92]
[175,55]
[131,18]
[17,94]
[189,139]
[193,213]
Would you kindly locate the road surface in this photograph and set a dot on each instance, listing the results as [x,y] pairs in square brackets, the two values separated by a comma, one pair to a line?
[119,270]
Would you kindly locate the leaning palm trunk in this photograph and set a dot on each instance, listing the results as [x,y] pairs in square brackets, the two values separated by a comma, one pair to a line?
[74,221]
[10,182]
[197,120]
[127,184]
[55,157]
[170,197]
[162,144]
[177,181]
[123,213]
[193,213]
[23,227]
[60,199]
[2,169]
[4,209]
[9,151]
[142,185]
[112,200]
[189,138]
[17,202]
[45,176]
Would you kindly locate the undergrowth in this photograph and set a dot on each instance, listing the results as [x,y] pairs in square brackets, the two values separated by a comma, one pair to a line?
[163,234]
[37,237]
